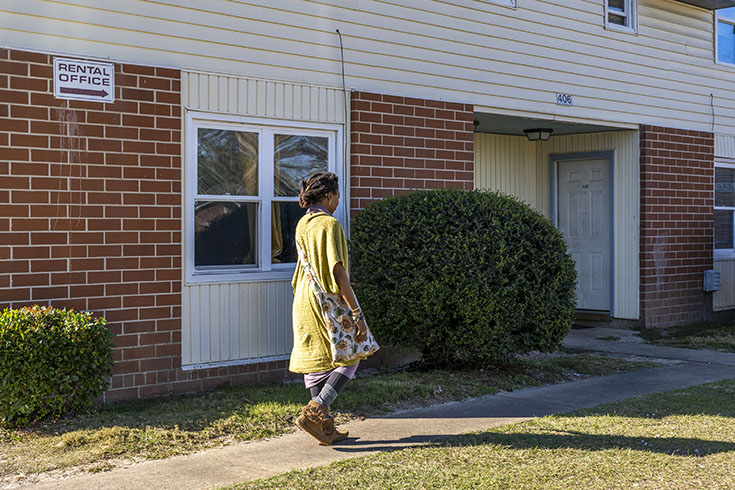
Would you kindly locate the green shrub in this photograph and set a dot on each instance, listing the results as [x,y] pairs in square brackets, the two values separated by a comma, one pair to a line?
[51,362]
[468,278]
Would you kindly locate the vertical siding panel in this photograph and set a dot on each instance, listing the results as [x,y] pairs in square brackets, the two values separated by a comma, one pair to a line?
[289,309]
[280,96]
[272,316]
[725,298]
[254,320]
[215,320]
[252,97]
[195,314]
[288,101]
[243,307]
[270,98]
[305,103]
[242,96]
[204,92]
[185,88]
[234,308]
[284,324]
[222,94]
[205,323]
[724,146]
[298,102]
[329,106]
[225,322]
[186,342]
[233,94]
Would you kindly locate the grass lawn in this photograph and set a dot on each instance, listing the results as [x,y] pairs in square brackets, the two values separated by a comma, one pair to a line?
[683,439]
[713,336]
[151,429]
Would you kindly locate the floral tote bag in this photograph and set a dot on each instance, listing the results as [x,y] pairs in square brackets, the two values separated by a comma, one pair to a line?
[338,318]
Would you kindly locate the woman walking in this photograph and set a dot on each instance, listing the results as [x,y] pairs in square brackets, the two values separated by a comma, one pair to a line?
[322,240]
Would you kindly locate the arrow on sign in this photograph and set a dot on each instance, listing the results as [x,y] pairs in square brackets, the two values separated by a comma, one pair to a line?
[81,91]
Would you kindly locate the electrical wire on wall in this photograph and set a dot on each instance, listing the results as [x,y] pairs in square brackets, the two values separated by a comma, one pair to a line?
[345,136]
[712,106]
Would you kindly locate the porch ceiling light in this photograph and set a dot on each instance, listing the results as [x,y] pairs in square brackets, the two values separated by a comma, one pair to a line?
[538,134]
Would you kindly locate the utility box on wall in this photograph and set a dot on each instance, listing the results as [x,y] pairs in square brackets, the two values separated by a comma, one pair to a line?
[711,281]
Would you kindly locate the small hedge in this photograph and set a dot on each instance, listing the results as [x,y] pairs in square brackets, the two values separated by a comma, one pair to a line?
[468,278]
[51,362]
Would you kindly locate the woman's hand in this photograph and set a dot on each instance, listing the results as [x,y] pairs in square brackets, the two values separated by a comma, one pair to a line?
[361,334]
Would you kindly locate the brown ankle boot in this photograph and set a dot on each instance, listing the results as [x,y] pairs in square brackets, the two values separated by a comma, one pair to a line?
[332,433]
[311,421]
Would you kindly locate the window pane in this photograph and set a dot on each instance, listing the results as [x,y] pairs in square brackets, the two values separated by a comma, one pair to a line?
[285,216]
[728,13]
[227,162]
[224,233]
[295,158]
[725,42]
[724,186]
[616,19]
[723,229]
[616,5]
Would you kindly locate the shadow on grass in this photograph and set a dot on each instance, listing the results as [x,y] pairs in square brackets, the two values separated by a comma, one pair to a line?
[677,446]
[548,440]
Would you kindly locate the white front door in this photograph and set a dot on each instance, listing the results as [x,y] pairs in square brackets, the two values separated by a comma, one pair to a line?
[584,205]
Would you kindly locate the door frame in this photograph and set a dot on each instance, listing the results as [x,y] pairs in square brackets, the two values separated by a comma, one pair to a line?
[554,207]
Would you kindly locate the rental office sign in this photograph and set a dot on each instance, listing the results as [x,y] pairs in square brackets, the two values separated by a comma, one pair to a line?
[84,80]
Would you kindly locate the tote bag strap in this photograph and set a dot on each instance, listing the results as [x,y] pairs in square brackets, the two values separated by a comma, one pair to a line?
[309,271]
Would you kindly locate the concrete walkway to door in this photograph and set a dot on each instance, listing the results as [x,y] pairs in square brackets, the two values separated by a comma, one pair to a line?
[248,461]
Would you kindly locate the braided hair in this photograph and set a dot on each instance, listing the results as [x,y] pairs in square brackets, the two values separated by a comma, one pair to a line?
[316,187]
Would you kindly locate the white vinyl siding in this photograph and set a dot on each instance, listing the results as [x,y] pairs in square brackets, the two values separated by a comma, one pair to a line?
[234,323]
[243,322]
[519,167]
[502,60]
[724,299]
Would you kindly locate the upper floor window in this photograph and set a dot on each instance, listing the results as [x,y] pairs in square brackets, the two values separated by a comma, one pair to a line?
[507,3]
[725,209]
[243,183]
[725,33]
[621,14]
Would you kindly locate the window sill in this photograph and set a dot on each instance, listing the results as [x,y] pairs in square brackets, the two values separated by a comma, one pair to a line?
[622,29]
[724,63]
[724,255]
[241,277]
[502,3]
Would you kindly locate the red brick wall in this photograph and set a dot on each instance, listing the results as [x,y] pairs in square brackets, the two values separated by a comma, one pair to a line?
[401,144]
[90,216]
[677,179]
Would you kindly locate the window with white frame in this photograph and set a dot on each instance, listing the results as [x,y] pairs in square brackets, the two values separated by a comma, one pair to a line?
[507,3]
[243,182]
[725,208]
[725,35]
[621,14]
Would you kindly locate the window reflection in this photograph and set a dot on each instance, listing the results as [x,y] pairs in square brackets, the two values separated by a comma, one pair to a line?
[284,218]
[227,162]
[224,233]
[724,186]
[726,42]
[295,158]
[723,229]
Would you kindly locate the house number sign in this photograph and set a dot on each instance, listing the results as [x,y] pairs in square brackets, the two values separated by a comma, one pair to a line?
[564,99]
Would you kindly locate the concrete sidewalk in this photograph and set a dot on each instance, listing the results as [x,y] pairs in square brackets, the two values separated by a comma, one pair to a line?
[243,462]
